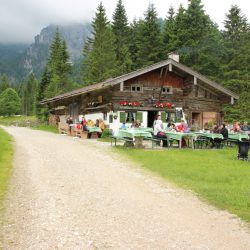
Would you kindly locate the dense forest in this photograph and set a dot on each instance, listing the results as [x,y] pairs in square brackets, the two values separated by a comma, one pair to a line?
[116,47]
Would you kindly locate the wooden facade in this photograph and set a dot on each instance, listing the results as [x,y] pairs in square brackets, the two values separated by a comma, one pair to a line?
[163,87]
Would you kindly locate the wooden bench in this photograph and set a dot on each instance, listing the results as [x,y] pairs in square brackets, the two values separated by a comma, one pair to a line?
[84,134]
[157,141]
[128,142]
[201,142]
[63,129]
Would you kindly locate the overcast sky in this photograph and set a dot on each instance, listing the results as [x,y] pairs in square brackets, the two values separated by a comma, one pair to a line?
[21,20]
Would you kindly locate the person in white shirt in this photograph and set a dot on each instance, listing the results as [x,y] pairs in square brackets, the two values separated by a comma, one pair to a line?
[159,131]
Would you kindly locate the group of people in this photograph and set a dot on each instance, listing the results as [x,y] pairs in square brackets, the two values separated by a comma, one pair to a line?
[84,124]
[160,131]
[241,127]
[136,124]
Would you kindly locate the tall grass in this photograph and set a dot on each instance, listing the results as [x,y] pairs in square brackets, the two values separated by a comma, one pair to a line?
[214,175]
[6,153]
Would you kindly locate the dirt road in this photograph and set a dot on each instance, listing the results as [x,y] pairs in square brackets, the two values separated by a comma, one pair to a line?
[74,194]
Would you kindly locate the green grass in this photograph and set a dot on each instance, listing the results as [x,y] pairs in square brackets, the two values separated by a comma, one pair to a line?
[6,153]
[215,175]
[106,139]
[47,128]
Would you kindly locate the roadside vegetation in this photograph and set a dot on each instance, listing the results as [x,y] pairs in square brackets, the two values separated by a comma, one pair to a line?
[215,175]
[27,121]
[6,153]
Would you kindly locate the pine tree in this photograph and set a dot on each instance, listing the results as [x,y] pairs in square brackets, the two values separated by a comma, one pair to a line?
[237,62]
[10,102]
[42,86]
[196,38]
[100,58]
[150,40]
[121,32]
[170,42]
[28,95]
[4,83]
[59,66]
[135,39]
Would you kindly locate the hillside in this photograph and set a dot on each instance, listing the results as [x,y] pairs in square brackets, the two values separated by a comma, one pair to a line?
[18,60]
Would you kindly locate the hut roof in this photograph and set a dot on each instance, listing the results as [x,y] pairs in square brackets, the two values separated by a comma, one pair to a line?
[113,81]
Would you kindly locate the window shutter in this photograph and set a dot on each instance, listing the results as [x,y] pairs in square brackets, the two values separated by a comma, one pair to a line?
[110,118]
[122,117]
[139,116]
[163,116]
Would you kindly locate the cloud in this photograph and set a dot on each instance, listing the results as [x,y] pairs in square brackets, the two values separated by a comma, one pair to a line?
[21,20]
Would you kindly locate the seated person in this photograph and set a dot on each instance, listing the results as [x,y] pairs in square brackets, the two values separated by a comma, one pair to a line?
[185,127]
[123,126]
[90,123]
[236,127]
[69,121]
[159,132]
[101,124]
[84,123]
[221,130]
[137,124]
[171,127]
[97,123]
[224,131]
[216,129]
[245,127]
[102,127]
[179,128]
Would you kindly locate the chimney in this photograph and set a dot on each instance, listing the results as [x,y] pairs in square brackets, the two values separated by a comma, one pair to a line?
[174,56]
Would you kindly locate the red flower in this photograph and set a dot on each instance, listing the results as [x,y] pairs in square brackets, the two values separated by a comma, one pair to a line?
[169,105]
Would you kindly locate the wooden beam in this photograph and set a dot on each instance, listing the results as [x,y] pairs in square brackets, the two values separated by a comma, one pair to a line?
[162,82]
[195,80]
[121,86]
[232,100]
[170,67]
[161,72]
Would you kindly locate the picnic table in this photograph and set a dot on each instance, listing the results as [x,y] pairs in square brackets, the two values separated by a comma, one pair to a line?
[178,136]
[135,134]
[208,139]
[94,129]
[209,135]
[150,130]
[238,136]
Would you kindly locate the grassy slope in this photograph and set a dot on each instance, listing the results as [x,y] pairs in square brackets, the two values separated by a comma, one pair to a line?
[29,121]
[6,153]
[215,175]
[47,128]
[18,120]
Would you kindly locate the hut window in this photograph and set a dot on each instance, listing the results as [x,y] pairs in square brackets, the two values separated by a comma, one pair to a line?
[167,90]
[130,117]
[136,88]
[139,116]
[105,116]
[110,118]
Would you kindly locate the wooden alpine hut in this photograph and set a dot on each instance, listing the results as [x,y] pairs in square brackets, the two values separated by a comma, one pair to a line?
[168,87]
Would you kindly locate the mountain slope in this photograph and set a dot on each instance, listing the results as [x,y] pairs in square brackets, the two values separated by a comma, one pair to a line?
[19,60]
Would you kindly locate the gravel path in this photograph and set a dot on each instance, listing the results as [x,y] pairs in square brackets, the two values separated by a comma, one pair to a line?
[76,194]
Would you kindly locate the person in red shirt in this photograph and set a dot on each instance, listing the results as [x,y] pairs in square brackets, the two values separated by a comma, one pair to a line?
[84,124]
